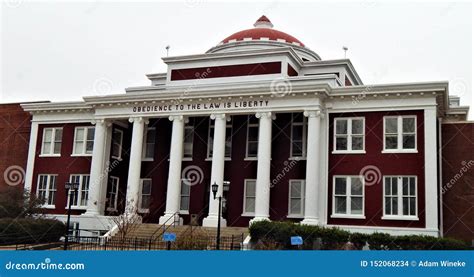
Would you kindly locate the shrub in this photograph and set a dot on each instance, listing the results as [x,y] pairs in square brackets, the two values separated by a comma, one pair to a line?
[276,235]
[30,230]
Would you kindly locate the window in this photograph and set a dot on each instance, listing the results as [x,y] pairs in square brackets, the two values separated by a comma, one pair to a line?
[117,139]
[79,197]
[399,133]
[188,140]
[83,141]
[400,197]
[228,139]
[298,135]
[149,145]
[349,135]
[348,196]
[185,196]
[52,138]
[145,195]
[249,197]
[296,198]
[46,190]
[252,136]
[112,193]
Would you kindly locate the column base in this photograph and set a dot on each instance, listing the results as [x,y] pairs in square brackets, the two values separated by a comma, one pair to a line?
[258,218]
[211,221]
[92,213]
[167,219]
[310,221]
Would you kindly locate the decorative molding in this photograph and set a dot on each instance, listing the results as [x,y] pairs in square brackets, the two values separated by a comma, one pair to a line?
[176,117]
[313,113]
[138,119]
[215,116]
[265,115]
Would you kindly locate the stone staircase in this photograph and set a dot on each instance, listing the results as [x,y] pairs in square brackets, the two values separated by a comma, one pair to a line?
[229,235]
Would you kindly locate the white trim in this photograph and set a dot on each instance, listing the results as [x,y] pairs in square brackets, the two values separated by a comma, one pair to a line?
[390,230]
[31,156]
[145,144]
[191,142]
[348,196]
[119,157]
[84,141]
[79,191]
[53,141]
[47,189]
[245,213]
[181,195]
[399,215]
[400,148]
[304,125]
[302,198]
[117,184]
[349,135]
[251,125]
[140,195]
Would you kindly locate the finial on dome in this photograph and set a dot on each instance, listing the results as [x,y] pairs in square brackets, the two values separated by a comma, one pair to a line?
[263,22]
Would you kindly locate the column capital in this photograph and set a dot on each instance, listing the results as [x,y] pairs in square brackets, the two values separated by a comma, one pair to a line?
[269,115]
[313,113]
[138,119]
[100,121]
[215,116]
[178,118]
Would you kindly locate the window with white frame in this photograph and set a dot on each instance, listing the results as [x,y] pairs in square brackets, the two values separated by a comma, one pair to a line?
[349,134]
[348,196]
[399,133]
[185,197]
[400,197]
[46,190]
[117,140]
[149,145]
[228,139]
[52,138]
[112,193]
[188,140]
[79,197]
[298,135]
[83,140]
[144,199]
[249,196]
[252,137]
[296,198]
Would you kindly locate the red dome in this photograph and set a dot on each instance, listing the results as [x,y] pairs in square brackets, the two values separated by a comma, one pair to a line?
[263,29]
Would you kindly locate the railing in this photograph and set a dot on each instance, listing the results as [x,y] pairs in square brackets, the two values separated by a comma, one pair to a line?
[165,226]
[197,243]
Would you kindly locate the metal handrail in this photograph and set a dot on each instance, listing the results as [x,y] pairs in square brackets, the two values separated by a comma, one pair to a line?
[165,226]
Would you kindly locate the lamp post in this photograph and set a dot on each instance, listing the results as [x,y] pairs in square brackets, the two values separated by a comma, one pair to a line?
[69,188]
[215,188]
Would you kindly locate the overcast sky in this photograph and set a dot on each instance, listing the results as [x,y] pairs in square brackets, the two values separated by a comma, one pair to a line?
[63,51]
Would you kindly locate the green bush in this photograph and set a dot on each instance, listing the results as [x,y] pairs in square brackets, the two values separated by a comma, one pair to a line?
[276,235]
[30,230]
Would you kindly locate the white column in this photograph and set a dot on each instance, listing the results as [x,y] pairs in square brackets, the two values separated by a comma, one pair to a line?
[262,193]
[31,156]
[174,173]
[312,184]
[95,205]
[135,166]
[431,173]
[217,170]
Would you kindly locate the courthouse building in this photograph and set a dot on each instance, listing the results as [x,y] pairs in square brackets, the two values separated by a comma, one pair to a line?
[294,136]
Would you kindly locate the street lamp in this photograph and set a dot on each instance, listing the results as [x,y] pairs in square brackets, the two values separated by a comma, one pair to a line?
[215,188]
[69,188]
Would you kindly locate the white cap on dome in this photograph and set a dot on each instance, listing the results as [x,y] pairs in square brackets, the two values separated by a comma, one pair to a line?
[263,22]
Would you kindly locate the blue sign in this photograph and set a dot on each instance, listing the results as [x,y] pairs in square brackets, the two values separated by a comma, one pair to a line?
[169,237]
[296,240]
